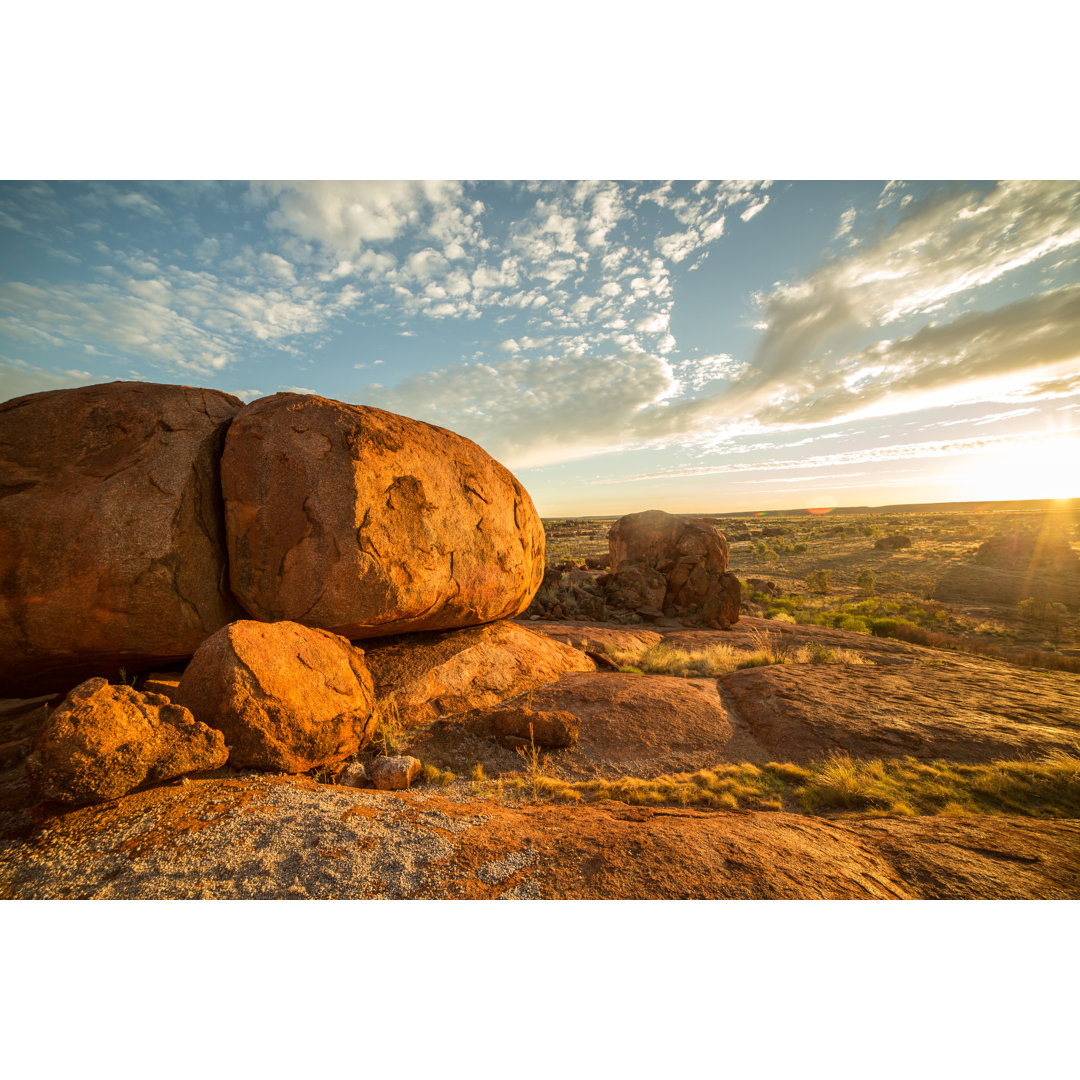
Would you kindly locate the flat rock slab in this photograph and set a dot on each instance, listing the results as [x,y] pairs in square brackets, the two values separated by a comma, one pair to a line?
[635,725]
[438,674]
[960,710]
[749,630]
[257,837]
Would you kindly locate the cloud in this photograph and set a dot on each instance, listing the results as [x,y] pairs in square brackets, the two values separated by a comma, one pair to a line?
[139,204]
[942,248]
[973,357]
[344,216]
[530,412]
[753,211]
[873,454]
[847,220]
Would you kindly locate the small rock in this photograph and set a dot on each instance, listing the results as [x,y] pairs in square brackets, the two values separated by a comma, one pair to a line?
[394,773]
[353,775]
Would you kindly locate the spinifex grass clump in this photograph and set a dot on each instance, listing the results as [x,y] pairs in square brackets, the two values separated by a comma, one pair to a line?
[1049,787]
[715,660]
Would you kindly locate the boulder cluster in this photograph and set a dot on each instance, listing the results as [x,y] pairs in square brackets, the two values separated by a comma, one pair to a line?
[325,574]
[144,525]
[661,566]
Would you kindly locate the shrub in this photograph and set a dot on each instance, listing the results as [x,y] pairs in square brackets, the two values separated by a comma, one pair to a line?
[892,542]
[865,581]
[819,580]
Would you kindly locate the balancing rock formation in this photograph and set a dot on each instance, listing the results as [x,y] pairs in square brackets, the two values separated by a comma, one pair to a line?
[117,548]
[111,532]
[365,523]
[678,564]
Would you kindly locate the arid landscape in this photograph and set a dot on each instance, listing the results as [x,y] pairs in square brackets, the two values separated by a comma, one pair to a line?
[853,704]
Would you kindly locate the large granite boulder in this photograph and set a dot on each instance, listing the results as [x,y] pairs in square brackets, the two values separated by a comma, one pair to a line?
[104,741]
[111,531]
[288,698]
[688,554]
[439,674]
[365,523]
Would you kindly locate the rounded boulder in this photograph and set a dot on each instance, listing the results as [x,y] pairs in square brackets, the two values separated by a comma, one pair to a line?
[288,698]
[365,523]
[111,531]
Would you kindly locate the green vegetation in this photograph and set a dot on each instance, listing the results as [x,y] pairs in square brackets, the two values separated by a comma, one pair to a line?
[430,774]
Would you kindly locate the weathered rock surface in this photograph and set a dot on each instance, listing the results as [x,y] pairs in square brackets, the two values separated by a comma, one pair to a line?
[521,726]
[288,698]
[393,773]
[636,725]
[111,531]
[365,523]
[437,674]
[353,774]
[103,741]
[691,557]
[598,637]
[958,709]
[261,837]
[636,588]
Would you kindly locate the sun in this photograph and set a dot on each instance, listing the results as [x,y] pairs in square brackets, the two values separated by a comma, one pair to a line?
[1042,467]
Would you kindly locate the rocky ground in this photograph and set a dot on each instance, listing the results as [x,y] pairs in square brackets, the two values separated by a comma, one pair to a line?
[230,834]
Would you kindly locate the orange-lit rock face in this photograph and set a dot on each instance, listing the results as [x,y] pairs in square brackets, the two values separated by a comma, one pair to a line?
[288,698]
[111,530]
[365,523]
[104,740]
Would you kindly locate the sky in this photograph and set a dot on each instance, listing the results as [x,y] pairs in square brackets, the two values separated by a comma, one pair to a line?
[692,346]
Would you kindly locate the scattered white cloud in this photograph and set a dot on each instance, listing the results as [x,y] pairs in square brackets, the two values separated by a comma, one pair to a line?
[847,221]
[530,412]
[892,453]
[344,216]
[753,211]
[18,378]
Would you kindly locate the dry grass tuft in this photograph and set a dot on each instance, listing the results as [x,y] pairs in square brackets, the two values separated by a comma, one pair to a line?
[716,660]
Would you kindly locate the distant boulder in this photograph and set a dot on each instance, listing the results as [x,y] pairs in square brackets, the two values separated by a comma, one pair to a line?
[111,531]
[103,741]
[365,523]
[687,556]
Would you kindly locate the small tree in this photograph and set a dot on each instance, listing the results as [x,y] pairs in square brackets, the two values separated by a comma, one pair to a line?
[818,580]
[865,581]
[1056,614]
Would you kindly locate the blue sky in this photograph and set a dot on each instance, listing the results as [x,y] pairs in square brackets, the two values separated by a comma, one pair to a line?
[694,346]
